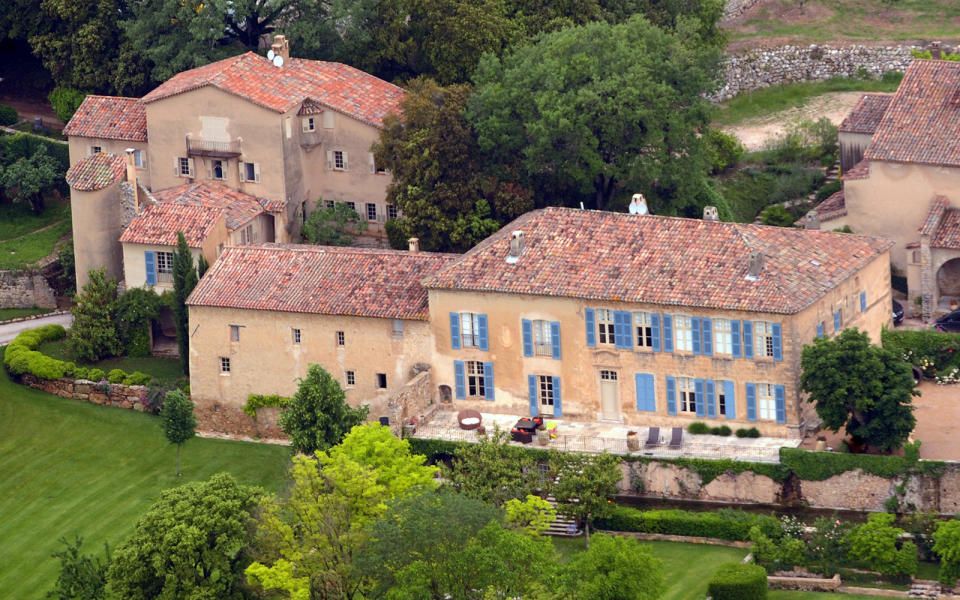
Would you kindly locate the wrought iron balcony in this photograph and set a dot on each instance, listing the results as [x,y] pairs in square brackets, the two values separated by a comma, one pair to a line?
[197,147]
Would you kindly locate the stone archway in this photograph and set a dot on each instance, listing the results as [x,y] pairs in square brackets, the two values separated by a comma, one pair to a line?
[948,281]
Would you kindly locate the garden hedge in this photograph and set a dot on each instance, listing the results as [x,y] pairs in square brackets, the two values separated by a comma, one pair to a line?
[735,581]
[725,524]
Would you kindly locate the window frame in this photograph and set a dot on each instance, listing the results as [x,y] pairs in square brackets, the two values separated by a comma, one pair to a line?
[371,211]
[546,394]
[225,365]
[214,163]
[722,336]
[542,337]
[183,166]
[766,402]
[138,161]
[682,333]
[296,335]
[469,326]
[474,379]
[381,381]
[353,207]
[606,329]
[763,339]
[392,212]
[234,334]
[686,395]
[350,378]
[397,328]
[721,393]
[250,171]
[339,164]
[341,339]
[643,328]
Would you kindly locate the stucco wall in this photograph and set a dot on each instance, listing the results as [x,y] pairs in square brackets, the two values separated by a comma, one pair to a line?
[79,148]
[97,225]
[267,361]
[135,266]
[580,365]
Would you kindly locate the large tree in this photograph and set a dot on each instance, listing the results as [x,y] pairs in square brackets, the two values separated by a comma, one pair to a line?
[27,179]
[94,334]
[600,111]
[184,280]
[614,568]
[492,470]
[862,388]
[192,543]
[584,484]
[439,184]
[318,416]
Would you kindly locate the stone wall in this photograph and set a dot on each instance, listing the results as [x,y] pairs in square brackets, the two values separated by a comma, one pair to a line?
[25,289]
[763,67]
[735,8]
[233,421]
[413,400]
[107,394]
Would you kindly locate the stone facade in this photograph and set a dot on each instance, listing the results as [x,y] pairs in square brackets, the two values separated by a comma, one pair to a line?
[106,394]
[25,289]
[763,67]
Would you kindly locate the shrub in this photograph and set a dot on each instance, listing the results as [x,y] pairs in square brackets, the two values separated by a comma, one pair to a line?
[8,115]
[21,356]
[137,378]
[96,374]
[828,190]
[698,428]
[258,401]
[777,215]
[876,542]
[934,352]
[753,432]
[116,376]
[81,373]
[722,430]
[726,524]
[724,150]
[65,101]
[775,555]
[396,234]
[737,581]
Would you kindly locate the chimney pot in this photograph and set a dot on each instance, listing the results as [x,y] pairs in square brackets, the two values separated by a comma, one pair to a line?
[710,213]
[756,265]
[516,246]
[414,244]
[935,50]
[281,47]
[131,166]
[811,220]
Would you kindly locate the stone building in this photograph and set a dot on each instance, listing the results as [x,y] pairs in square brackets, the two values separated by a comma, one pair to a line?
[263,313]
[648,320]
[289,131]
[907,185]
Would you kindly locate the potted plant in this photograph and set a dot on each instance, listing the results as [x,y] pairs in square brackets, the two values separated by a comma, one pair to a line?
[633,441]
[821,443]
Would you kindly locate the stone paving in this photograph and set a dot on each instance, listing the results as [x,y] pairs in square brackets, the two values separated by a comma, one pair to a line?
[612,437]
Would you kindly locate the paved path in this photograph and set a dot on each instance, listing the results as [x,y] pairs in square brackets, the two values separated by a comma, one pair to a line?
[10,331]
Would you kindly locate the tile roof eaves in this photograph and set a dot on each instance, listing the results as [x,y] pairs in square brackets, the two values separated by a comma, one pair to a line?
[419,316]
[354,117]
[225,90]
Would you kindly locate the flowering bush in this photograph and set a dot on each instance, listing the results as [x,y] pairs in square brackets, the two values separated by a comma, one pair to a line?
[933,352]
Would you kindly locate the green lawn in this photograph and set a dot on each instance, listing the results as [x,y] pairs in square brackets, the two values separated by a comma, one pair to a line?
[166,370]
[17,219]
[15,313]
[24,251]
[786,595]
[69,467]
[687,567]
[830,20]
[766,101]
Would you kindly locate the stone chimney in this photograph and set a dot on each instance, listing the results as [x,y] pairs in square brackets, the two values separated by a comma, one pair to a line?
[516,246]
[935,51]
[756,265]
[281,47]
[710,213]
[131,166]
[414,244]
[811,220]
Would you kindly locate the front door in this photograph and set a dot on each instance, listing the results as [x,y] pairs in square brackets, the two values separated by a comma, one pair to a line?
[609,395]
[546,395]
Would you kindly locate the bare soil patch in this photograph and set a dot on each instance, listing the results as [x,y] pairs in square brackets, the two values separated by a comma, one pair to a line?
[938,412]
[31,108]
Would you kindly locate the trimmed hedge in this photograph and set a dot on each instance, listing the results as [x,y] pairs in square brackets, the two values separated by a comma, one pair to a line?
[735,581]
[725,524]
[817,466]
[258,401]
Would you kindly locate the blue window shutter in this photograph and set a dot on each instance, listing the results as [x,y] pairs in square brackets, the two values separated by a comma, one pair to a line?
[460,378]
[668,334]
[671,395]
[646,400]
[150,260]
[555,338]
[695,326]
[532,389]
[751,402]
[707,337]
[836,320]
[618,329]
[777,342]
[748,339]
[780,397]
[527,326]
[863,302]
[655,331]
[710,389]
[482,330]
[455,331]
[557,398]
[731,399]
[591,327]
[627,329]
[735,338]
[623,329]
[701,405]
[819,330]
[488,381]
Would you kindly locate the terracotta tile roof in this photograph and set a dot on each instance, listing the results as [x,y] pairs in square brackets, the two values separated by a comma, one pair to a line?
[194,209]
[320,280]
[948,234]
[934,216]
[96,172]
[866,115]
[328,84]
[861,170]
[109,118]
[661,260]
[922,122]
[835,206]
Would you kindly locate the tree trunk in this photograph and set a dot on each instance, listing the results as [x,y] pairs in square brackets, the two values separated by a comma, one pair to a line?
[586,531]
[178,459]
[603,187]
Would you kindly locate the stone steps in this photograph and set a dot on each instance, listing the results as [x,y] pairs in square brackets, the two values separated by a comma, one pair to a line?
[561,526]
[924,590]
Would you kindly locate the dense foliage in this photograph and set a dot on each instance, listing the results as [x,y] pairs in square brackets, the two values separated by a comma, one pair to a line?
[179,422]
[65,102]
[318,416]
[947,546]
[492,470]
[8,115]
[583,485]
[82,577]
[184,280]
[862,388]
[613,568]
[936,354]
[877,542]
[94,334]
[332,226]
[736,581]
[723,524]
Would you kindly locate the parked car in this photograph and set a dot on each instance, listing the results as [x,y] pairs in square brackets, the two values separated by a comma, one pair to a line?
[897,313]
[949,322]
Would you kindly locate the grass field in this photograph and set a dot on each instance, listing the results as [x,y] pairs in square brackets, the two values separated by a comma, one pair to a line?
[68,467]
[16,313]
[26,250]
[852,20]
[759,103]
[166,370]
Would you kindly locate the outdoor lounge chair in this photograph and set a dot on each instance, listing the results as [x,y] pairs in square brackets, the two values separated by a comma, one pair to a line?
[653,438]
[676,438]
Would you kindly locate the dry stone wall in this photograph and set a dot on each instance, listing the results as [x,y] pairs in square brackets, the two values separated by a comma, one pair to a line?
[107,394]
[25,289]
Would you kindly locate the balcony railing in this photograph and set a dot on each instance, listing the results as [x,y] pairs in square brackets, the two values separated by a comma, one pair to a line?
[166,278]
[197,147]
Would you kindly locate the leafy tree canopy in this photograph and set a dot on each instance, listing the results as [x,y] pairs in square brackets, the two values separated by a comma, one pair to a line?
[332,226]
[584,484]
[28,178]
[492,470]
[192,543]
[179,422]
[862,388]
[184,280]
[82,577]
[318,416]
[946,544]
[93,334]
[613,568]
[598,111]
[875,542]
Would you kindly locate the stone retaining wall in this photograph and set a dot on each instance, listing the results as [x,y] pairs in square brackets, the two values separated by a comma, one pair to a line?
[686,539]
[735,8]
[763,67]
[107,394]
[25,289]
[812,584]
